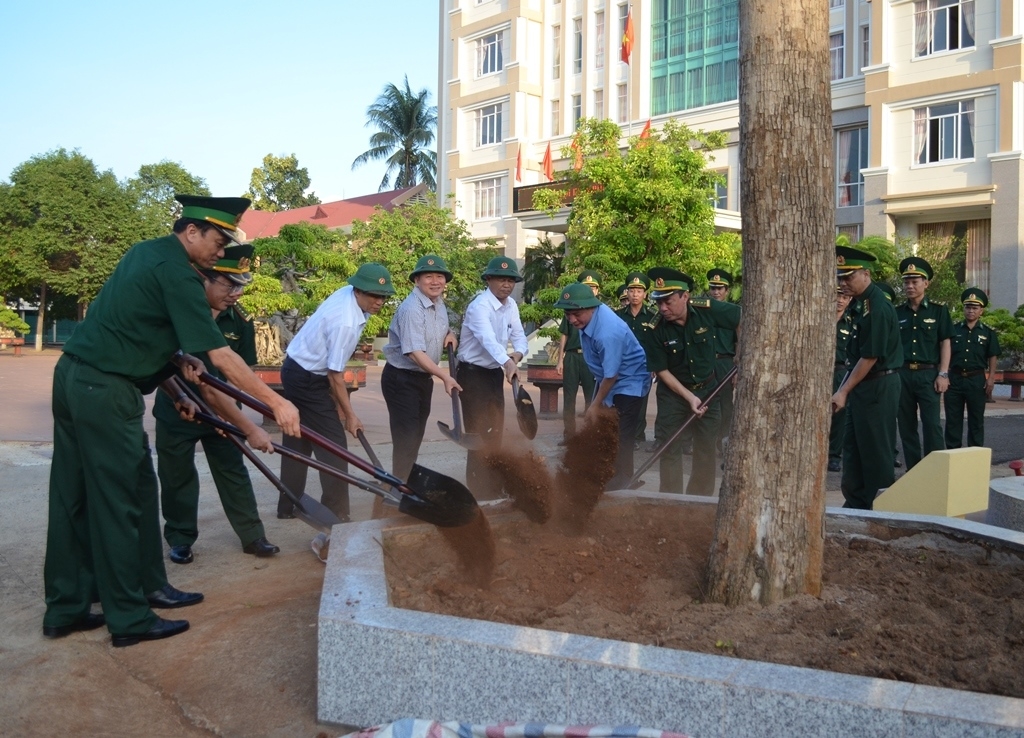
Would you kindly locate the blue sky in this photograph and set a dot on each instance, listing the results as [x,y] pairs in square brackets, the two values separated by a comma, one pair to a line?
[214,85]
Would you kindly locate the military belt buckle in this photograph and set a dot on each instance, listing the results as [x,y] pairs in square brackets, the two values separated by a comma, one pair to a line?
[913,365]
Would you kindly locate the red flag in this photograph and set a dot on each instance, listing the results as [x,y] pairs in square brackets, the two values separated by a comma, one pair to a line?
[519,164]
[628,37]
[577,153]
[549,170]
[646,132]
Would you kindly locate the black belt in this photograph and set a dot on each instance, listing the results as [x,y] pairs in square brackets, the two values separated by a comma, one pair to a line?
[724,356]
[699,385]
[476,367]
[876,375]
[915,365]
[967,372]
[574,351]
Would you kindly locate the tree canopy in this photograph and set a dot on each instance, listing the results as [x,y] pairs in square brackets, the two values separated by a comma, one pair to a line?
[280,184]
[153,189]
[405,123]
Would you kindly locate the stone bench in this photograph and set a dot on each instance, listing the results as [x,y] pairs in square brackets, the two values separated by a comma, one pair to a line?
[1006,503]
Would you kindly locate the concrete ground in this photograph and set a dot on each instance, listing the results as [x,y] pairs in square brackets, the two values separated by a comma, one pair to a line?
[247,666]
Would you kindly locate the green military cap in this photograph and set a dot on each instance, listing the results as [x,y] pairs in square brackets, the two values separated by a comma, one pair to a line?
[667,280]
[374,279]
[576,297]
[621,292]
[236,263]
[638,279]
[719,278]
[915,266]
[849,259]
[223,212]
[501,266]
[974,296]
[589,277]
[890,293]
[431,264]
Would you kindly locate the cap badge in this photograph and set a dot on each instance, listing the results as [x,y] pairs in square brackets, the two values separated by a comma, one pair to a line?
[911,268]
[659,282]
[840,260]
[243,263]
[381,280]
[430,262]
[636,280]
[504,265]
[565,295]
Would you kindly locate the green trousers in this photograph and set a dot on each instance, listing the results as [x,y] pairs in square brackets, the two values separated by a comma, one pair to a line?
[917,390]
[673,411]
[103,537]
[575,376]
[868,453]
[179,482]
[965,392]
[837,430]
[725,398]
[641,423]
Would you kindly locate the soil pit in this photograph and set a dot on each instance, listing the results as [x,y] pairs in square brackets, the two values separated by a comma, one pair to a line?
[921,608]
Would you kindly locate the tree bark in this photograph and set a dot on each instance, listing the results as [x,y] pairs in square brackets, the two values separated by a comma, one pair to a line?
[769,533]
[41,318]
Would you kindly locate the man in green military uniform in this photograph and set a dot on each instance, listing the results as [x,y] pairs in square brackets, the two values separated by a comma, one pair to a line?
[681,351]
[176,438]
[719,281]
[623,294]
[103,537]
[639,316]
[573,369]
[974,350]
[871,391]
[925,328]
[837,430]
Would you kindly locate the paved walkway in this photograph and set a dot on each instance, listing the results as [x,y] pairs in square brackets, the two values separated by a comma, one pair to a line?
[248,665]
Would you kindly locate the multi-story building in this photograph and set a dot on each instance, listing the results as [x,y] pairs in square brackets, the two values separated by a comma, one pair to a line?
[927,108]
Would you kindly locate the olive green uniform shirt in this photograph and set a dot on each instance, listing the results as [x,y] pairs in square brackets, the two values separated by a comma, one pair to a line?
[875,332]
[844,332]
[642,323]
[973,347]
[923,330]
[572,336]
[688,351]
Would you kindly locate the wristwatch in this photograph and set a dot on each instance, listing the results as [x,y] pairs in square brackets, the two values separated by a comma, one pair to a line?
[944,375]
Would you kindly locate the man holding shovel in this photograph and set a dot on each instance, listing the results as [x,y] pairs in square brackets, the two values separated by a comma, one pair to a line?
[103,537]
[571,365]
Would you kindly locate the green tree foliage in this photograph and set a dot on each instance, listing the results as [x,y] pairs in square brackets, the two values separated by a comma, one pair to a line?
[11,321]
[154,188]
[280,184]
[648,206]
[542,269]
[405,123]
[398,238]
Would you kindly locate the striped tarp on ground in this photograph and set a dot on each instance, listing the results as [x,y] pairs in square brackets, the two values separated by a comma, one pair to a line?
[413,728]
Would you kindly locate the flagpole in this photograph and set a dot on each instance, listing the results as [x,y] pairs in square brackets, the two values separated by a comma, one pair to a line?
[629,75]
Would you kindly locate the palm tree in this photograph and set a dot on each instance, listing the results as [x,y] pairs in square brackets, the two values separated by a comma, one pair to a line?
[405,125]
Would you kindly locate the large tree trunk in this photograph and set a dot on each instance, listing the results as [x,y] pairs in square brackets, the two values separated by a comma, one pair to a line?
[41,318]
[769,533]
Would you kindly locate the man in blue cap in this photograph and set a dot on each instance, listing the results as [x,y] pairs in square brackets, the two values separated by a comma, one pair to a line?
[975,349]
[871,392]
[618,363]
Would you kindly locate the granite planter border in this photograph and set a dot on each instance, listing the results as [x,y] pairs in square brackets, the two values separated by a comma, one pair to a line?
[379,663]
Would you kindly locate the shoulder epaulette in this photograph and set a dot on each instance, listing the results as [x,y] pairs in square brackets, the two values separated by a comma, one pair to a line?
[701,302]
[241,313]
[655,320]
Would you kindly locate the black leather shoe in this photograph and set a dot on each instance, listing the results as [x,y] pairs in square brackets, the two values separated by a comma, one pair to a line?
[181,554]
[261,547]
[897,464]
[834,465]
[169,597]
[285,515]
[162,629]
[90,622]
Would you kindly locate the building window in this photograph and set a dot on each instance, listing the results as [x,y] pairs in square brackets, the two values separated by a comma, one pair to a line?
[835,3]
[487,198]
[577,111]
[599,104]
[556,52]
[488,125]
[599,40]
[944,132]
[577,46]
[865,46]
[623,15]
[851,158]
[488,54]
[852,232]
[835,45]
[943,25]
[623,104]
[721,197]
[694,54]
[556,117]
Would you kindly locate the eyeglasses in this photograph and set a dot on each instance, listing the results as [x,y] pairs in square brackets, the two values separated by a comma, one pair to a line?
[233,289]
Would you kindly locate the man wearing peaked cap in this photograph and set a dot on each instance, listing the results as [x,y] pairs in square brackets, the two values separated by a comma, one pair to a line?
[571,366]
[888,291]
[925,329]
[870,394]
[176,438]
[725,350]
[844,331]
[640,316]
[103,535]
[975,349]
[621,293]
[490,324]
[313,377]
[681,351]
[417,338]
[618,364]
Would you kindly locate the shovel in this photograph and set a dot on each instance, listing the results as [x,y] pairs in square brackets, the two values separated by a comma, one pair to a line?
[308,510]
[427,495]
[526,413]
[678,431]
[467,440]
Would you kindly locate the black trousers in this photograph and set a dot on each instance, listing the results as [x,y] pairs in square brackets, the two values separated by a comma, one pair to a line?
[483,410]
[407,394]
[311,394]
[629,408]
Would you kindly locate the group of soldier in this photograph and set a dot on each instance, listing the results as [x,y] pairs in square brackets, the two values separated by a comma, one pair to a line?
[893,363]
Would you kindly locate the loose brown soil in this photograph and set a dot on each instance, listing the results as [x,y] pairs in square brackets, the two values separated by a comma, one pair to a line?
[587,465]
[920,608]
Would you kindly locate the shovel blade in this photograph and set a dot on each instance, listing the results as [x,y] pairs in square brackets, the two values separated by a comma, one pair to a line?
[469,441]
[439,499]
[526,413]
[315,514]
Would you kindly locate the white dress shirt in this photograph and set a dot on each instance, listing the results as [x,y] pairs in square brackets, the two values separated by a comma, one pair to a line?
[328,338]
[487,329]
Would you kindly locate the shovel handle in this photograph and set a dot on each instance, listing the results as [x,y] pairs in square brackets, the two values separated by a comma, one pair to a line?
[368,448]
[453,364]
[678,431]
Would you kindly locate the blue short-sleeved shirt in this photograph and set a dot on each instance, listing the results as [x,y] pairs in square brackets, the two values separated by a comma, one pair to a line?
[611,350]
